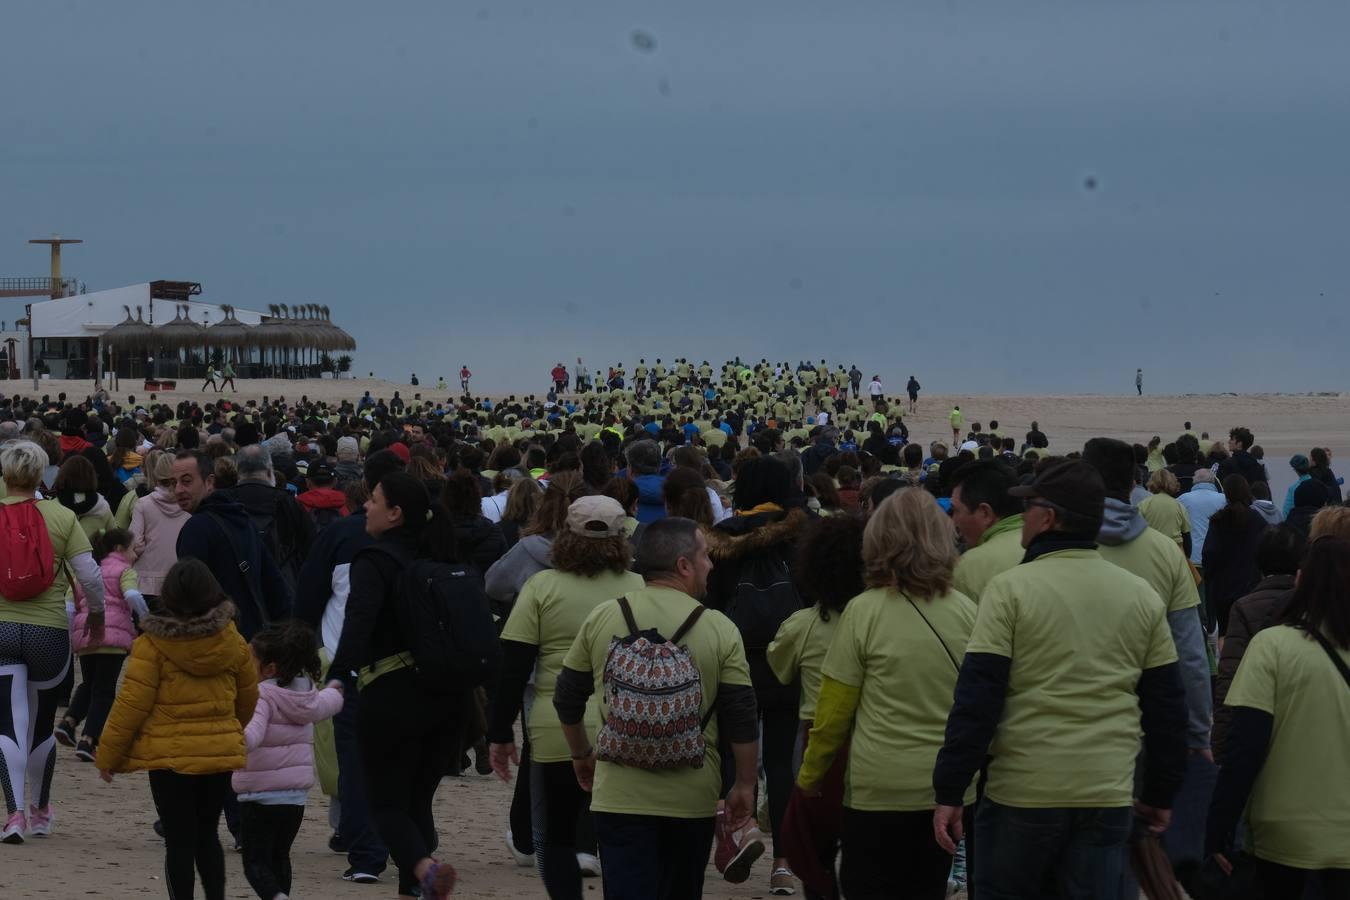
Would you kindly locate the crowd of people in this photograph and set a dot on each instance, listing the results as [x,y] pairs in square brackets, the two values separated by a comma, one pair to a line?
[696,614]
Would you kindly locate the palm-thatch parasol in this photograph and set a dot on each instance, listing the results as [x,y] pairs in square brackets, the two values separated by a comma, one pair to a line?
[181,332]
[341,339]
[130,334]
[229,331]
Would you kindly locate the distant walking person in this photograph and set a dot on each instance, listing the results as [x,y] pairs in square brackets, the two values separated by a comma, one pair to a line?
[913,389]
[1139,381]
[464,376]
[956,420]
[875,391]
[227,377]
[210,377]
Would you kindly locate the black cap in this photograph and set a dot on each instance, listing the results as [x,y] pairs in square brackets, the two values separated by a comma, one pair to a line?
[1074,486]
[320,471]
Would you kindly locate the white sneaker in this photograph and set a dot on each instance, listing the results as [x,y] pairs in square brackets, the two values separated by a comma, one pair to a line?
[589,864]
[524,860]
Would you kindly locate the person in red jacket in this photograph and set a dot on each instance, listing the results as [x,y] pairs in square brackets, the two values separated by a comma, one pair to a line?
[559,378]
[323,500]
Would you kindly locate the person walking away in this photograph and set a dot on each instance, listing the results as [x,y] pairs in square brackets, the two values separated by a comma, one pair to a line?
[888,678]
[1309,498]
[155,524]
[1201,502]
[101,661]
[590,566]
[321,601]
[464,376]
[989,520]
[829,570]
[1286,766]
[279,739]
[1061,765]
[854,380]
[1163,512]
[955,419]
[76,488]
[228,376]
[42,544]
[210,377]
[753,552]
[875,391]
[284,526]
[912,388]
[1126,540]
[1278,554]
[1229,553]
[1139,381]
[654,801]
[190,687]
[321,500]
[1321,471]
[408,724]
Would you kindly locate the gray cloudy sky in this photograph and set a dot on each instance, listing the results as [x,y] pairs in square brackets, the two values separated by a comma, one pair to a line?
[901,184]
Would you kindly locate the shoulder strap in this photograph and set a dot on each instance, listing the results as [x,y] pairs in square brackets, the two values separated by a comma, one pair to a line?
[935,633]
[688,624]
[628,616]
[1331,651]
[244,568]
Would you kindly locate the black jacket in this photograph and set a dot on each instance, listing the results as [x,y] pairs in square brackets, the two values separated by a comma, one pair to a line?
[478,542]
[371,631]
[814,456]
[1229,558]
[337,545]
[260,593]
[1244,464]
[294,527]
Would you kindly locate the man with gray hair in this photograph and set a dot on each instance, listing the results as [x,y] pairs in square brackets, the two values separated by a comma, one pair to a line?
[9,431]
[286,530]
[1203,500]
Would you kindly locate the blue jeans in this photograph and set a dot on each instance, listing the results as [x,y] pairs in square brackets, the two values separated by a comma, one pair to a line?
[1073,854]
[365,851]
[653,857]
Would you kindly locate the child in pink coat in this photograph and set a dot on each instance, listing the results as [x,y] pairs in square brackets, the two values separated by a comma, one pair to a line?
[280,740]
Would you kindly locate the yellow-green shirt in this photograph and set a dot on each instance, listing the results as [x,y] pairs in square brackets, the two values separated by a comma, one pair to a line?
[907,678]
[799,649]
[547,613]
[1164,513]
[1079,632]
[68,541]
[1159,560]
[1299,811]
[715,645]
[1000,549]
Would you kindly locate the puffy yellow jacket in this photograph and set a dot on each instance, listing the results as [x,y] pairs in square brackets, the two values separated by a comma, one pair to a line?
[190,689]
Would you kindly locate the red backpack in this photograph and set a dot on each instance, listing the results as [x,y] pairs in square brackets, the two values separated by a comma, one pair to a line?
[27,563]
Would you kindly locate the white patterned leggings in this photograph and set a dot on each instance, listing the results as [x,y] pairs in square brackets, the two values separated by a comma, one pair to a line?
[33,661]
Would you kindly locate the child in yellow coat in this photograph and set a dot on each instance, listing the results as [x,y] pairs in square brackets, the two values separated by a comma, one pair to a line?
[190,689]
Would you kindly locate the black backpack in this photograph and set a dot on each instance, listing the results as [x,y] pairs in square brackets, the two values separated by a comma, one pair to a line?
[764,598]
[445,620]
[324,517]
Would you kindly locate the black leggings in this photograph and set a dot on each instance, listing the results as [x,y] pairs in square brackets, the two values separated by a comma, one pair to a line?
[777,743]
[267,833]
[405,735]
[97,690]
[892,855]
[559,802]
[33,662]
[189,809]
[1286,881]
[522,819]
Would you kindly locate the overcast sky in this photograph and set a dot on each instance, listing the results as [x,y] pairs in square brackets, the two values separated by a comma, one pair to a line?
[997,197]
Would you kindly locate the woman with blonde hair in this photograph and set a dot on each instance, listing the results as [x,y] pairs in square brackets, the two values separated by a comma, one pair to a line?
[1164,512]
[156,520]
[888,680]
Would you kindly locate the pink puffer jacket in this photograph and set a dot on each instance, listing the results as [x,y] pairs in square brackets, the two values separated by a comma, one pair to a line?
[280,737]
[118,629]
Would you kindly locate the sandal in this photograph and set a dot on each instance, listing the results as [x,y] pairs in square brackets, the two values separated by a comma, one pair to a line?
[438,881]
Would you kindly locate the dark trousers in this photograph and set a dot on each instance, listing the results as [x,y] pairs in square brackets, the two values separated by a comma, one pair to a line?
[405,735]
[1286,881]
[230,381]
[365,851]
[777,744]
[94,697]
[891,855]
[653,857]
[267,833]
[189,807]
[558,803]
[522,807]
[1073,854]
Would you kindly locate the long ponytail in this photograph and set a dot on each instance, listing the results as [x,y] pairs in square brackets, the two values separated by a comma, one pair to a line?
[425,520]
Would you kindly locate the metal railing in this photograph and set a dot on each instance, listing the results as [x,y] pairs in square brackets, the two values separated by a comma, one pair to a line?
[69,286]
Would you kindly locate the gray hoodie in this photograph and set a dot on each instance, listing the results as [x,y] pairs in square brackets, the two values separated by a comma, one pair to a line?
[1122,523]
[1267,510]
[508,575]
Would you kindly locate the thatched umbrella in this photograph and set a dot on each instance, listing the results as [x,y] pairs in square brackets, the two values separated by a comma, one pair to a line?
[181,333]
[340,340]
[130,334]
[279,332]
[229,333]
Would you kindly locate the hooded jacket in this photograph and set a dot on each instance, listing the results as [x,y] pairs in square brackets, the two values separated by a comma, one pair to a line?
[1230,558]
[190,688]
[733,543]
[155,522]
[478,541]
[280,736]
[1253,613]
[1267,510]
[260,595]
[508,575]
[118,629]
[651,499]
[323,498]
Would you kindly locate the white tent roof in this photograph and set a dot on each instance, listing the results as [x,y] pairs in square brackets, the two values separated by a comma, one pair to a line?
[89,315]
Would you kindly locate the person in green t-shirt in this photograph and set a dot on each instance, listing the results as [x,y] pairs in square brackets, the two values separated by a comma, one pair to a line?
[1070,660]
[662,820]
[955,419]
[989,520]
[888,682]
[1285,761]
[590,566]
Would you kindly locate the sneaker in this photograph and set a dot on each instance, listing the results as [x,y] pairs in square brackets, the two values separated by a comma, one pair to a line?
[15,826]
[782,883]
[482,760]
[737,852]
[524,860]
[65,733]
[337,845]
[589,864]
[40,821]
[85,750]
[356,877]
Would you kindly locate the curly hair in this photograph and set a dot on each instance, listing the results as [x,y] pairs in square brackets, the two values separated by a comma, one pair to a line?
[829,563]
[909,546]
[578,555]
